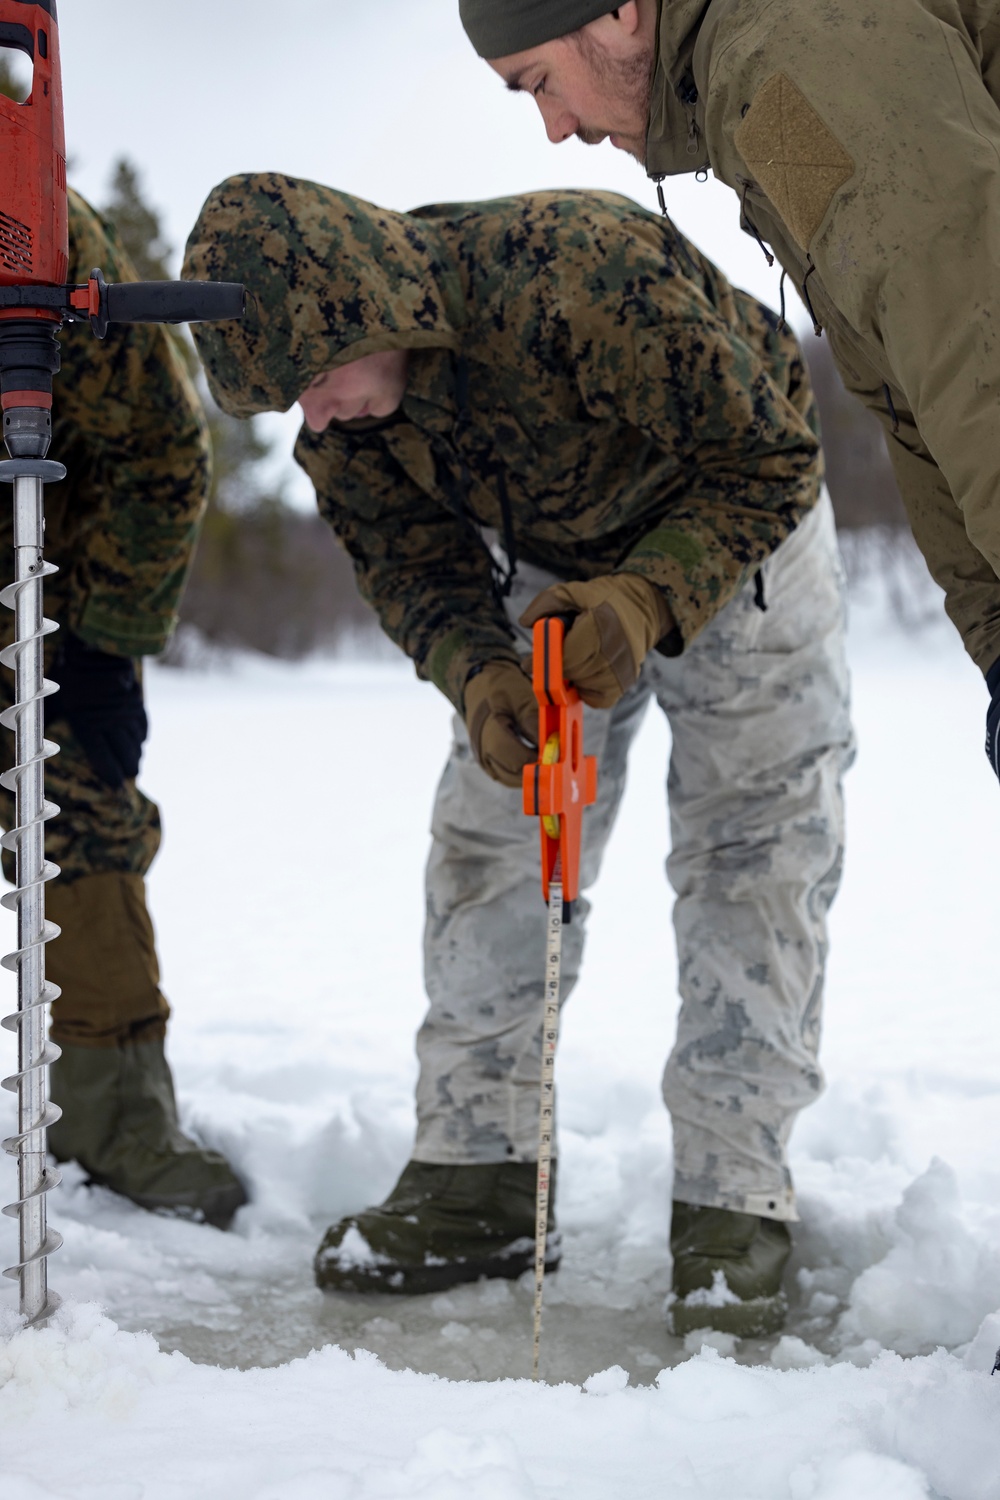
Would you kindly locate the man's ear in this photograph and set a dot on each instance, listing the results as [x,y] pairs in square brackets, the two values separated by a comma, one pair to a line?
[617,27]
[627,16]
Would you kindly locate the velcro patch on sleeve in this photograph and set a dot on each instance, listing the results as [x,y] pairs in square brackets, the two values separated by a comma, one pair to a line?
[793,154]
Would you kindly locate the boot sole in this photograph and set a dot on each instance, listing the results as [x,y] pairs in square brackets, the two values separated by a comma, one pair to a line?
[416,1281]
[757,1318]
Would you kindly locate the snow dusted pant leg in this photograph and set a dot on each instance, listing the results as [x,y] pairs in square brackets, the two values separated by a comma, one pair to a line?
[484,942]
[759,711]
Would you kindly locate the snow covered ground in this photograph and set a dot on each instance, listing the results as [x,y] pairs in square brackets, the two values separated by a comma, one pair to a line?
[288,902]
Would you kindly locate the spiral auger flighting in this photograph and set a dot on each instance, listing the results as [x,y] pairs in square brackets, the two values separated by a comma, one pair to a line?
[26,840]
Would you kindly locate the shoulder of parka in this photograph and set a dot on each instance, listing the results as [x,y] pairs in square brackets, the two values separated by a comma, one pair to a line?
[132,387]
[541,271]
[743,45]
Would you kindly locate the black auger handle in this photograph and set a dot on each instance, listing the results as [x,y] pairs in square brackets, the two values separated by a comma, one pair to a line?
[175,301]
[105,302]
[163,302]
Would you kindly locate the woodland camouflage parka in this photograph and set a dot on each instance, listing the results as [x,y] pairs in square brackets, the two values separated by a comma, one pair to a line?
[583,384]
[864,141]
[121,528]
[128,425]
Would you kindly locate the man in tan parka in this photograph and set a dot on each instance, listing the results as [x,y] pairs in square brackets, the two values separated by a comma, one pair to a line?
[864,142]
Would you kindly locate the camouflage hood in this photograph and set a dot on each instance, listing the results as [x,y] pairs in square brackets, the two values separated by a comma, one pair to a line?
[332,278]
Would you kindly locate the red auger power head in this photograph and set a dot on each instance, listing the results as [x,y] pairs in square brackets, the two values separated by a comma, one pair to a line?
[34,248]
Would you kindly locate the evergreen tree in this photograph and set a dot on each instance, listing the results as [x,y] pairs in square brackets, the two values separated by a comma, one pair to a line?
[264,576]
[238,449]
[138,224]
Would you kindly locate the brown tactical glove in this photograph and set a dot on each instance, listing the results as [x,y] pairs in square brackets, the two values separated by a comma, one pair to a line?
[501,714]
[619,619]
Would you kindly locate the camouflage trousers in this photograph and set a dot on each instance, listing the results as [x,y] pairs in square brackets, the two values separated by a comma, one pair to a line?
[758,709]
[99,829]
[104,962]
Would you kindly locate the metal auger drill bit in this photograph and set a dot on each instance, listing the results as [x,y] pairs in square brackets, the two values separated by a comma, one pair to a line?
[26,839]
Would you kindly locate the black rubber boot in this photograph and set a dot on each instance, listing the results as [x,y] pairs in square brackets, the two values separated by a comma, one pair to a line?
[727,1271]
[120,1123]
[439,1226]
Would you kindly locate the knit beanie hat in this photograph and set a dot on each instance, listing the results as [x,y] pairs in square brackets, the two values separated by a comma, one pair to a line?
[498,28]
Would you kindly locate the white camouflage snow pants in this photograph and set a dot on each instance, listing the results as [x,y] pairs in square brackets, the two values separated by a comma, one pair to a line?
[759,717]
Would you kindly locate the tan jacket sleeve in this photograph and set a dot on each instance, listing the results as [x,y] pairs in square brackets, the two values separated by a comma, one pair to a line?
[971,588]
[885,167]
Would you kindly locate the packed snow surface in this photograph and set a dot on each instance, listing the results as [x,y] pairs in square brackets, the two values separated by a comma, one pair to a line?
[288,900]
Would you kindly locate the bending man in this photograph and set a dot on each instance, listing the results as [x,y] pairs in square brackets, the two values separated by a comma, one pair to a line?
[554,402]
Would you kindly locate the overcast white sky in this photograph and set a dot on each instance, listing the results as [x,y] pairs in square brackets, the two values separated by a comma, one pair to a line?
[382,98]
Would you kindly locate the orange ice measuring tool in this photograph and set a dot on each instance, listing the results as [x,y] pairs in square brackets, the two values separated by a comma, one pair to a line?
[563,781]
[557,788]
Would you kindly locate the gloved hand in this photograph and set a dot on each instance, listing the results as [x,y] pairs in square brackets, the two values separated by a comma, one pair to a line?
[100,696]
[501,715]
[993,718]
[619,619]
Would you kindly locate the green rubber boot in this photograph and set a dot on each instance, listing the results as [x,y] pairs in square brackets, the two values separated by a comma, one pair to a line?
[727,1271]
[120,1123]
[439,1226]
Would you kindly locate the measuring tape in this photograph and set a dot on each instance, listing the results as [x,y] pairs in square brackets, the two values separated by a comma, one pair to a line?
[557,788]
[547,1103]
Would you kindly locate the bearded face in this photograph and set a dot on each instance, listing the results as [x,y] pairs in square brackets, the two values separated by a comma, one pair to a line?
[594,83]
[622,88]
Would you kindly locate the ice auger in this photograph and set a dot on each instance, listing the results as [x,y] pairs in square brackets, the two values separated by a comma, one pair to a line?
[34,303]
[557,788]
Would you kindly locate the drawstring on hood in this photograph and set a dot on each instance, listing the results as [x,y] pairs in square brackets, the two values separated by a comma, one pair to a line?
[891,407]
[782,324]
[817,325]
[749,227]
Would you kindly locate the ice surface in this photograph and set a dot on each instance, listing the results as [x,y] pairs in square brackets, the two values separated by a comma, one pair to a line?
[288,900]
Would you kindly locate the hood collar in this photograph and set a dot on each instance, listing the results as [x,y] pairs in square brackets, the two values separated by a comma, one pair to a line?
[675,141]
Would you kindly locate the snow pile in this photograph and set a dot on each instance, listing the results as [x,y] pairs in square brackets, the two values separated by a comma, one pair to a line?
[939,1279]
[296,990]
[98,1411]
[79,1362]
